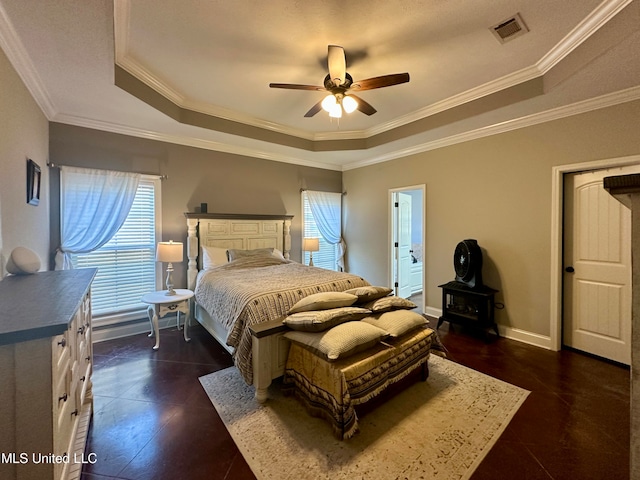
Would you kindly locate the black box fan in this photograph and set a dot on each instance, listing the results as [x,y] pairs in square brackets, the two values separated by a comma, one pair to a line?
[467,262]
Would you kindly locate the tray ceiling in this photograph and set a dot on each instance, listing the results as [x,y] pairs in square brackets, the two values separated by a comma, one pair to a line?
[198,73]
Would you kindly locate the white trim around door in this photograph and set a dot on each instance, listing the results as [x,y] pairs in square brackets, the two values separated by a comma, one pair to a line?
[391,235]
[557,205]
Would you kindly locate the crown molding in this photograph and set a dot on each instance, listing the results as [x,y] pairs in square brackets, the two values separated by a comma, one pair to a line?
[591,24]
[121,18]
[228,114]
[138,71]
[494,86]
[594,21]
[584,106]
[121,23]
[20,60]
[16,53]
[189,141]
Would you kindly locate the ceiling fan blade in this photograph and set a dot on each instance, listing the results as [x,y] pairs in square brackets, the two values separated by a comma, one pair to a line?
[337,64]
[313,110]
[363,106]
[293,86]
[379,82]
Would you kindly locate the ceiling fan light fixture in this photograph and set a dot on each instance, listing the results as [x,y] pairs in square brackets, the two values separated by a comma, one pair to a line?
[329,103]
[349,104]
[338,82]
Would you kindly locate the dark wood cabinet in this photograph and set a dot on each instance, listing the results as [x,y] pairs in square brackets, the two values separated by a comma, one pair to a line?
[468,306]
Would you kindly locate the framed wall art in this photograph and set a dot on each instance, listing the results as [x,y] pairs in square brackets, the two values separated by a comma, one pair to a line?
[33,182]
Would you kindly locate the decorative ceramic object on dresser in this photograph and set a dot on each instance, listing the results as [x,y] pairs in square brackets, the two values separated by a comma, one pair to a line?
[23,260]
[45,372]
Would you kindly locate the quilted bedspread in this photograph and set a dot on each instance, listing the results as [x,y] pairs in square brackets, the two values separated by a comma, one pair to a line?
[250,290]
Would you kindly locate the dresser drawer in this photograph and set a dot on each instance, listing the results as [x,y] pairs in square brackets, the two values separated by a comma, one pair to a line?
[64,416]
[84,381]
[61,384]
[60,351]
[83,340]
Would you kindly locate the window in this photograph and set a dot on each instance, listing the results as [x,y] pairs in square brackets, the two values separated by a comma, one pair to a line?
[327,257]
[126,263]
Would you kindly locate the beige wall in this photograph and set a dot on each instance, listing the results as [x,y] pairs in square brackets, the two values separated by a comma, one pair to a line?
[24,133]
[227,183]
[496,190]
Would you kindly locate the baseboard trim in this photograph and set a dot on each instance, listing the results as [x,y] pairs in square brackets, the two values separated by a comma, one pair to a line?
[126,329]
[136,327]
[535,339]
[433,312]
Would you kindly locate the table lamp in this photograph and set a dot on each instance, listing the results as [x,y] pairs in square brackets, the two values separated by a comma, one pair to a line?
[169,252]
[310,245]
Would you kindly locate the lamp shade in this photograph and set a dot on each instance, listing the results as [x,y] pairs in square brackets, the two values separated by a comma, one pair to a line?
[349,104]
[329,102]
[169,252]
[310,244]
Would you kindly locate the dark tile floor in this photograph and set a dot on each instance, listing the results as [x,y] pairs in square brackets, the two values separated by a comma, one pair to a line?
[153,420]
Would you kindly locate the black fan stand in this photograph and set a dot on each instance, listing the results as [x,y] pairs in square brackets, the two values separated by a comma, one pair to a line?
[466,300]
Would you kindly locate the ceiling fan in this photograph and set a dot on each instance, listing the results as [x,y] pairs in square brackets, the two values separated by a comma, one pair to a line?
[341,86]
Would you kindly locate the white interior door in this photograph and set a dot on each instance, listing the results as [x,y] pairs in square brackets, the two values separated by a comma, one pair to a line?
[403,244]
[597,259]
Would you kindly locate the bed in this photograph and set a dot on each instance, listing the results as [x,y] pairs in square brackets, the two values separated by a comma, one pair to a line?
[241,303]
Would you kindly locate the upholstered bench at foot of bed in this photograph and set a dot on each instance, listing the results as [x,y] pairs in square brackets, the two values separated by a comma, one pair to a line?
[331,390]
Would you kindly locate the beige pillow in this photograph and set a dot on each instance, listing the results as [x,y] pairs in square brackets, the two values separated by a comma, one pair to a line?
[397,322]
[321,320]
[323,301]
[369,292]
[213,257]
[340,341]
[386,304]
[235,253]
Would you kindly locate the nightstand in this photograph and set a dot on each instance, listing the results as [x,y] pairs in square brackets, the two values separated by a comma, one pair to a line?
[161,304]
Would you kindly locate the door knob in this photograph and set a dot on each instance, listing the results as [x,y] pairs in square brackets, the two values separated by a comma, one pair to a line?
[569,270]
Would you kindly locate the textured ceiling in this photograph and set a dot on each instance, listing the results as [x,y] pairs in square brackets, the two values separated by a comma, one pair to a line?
[197,73]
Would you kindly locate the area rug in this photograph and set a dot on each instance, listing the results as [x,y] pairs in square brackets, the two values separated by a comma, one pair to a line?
[438,429]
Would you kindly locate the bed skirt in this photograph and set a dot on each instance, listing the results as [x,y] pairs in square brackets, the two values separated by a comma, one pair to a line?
[331,390]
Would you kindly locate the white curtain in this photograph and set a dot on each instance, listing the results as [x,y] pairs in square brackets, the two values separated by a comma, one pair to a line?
[326,208]
[93,206]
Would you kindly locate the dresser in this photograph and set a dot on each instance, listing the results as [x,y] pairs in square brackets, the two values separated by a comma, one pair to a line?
[45,374]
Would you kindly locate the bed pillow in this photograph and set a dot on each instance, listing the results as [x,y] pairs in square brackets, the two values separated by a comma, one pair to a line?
[278,254]
[386,304]
[321,320]
[323,301]
[340,341]
[396,322]
[369,292]
[213,257]
[235,253]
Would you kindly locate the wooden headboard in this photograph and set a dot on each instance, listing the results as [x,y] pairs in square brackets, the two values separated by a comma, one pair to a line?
[238,231]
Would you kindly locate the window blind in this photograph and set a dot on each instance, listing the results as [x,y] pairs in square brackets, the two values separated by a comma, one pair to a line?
[326,257]
[126,264]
